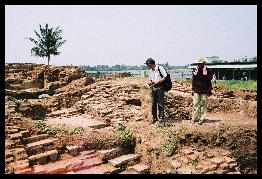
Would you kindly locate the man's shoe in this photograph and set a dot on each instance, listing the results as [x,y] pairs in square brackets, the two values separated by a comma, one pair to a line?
[193,122]
[161,124]
[153,120]
[200,122]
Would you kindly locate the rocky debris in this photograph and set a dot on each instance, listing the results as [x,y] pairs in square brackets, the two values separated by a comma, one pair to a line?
[40,146]
[73,150]
[105,169]
[228,94]
[63,112]
[52,86]
[76,85]
[42,158]
[195,163]
[119,102]
[106,155]
[24,76]
[77,121]
[25,94]
[178,107]
[21,164]
[246,108]
[43,96]
[70,77]
[17,73]
[125,160]
[181,86]
[36,111]
[35,138]
[138,169]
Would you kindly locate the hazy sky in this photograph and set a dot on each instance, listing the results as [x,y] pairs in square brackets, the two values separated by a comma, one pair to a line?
[124,34]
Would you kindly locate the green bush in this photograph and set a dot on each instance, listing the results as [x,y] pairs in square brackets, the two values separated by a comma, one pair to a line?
[170,147]
[126,136]
[54,130]
[182,129]
[121,127]
[78,130]
[40,124]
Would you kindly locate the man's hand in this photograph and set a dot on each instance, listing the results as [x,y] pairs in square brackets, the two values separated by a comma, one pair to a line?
[151,83]
[209,93]
[156,84]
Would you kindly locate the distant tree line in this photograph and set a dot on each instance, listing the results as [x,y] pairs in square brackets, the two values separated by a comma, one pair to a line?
[210,60]
[125,67]
[216,60]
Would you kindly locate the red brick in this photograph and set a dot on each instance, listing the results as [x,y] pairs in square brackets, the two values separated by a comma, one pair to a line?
[92,170]
[38,169]
[57,168]
[76,164]
[25,171]
[92,162]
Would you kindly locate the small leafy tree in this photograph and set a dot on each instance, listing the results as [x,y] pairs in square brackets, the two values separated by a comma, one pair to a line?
[126,137]
[47,42]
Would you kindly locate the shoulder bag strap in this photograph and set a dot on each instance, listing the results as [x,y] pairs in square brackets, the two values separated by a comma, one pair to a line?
[160,72]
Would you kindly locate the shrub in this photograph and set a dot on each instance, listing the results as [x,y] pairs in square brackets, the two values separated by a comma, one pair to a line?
[126,136]
[169,147]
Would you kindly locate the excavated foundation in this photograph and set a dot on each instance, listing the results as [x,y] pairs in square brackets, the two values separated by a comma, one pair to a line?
[85,125]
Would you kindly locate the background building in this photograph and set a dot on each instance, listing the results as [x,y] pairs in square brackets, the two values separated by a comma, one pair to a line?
[233,71]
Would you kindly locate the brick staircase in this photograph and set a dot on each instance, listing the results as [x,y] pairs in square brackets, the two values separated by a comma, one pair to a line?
[36,154]
[63,112]
[24,150]
[112,161]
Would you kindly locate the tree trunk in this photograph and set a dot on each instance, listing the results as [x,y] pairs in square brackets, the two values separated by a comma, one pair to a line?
[48,60]
[47,72]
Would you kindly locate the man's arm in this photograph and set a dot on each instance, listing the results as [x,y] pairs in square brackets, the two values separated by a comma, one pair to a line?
[160,81]
[193,83]
[210,76]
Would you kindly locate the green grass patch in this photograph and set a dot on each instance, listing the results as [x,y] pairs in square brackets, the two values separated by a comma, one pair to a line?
[40,124]
[237,84]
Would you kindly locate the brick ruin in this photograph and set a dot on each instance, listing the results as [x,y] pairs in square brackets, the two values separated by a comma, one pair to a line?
[68,96]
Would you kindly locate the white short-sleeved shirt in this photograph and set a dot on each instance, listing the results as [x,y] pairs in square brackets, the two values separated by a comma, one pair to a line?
[154,75]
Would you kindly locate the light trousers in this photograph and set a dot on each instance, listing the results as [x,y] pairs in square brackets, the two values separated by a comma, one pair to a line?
[199,107]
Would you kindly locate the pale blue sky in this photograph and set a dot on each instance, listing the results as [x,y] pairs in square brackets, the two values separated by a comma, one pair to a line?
[124,34]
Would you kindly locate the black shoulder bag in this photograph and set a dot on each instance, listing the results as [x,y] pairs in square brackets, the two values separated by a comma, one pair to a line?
[167,84]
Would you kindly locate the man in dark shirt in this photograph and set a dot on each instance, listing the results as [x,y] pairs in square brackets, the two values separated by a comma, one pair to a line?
[201,88]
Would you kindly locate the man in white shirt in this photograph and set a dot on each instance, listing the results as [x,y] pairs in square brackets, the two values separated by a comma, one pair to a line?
[157,91]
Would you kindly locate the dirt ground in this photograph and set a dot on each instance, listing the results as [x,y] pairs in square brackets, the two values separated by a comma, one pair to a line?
[231,122]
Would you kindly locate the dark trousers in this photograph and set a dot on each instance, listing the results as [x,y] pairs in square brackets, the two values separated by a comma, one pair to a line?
[157,97]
